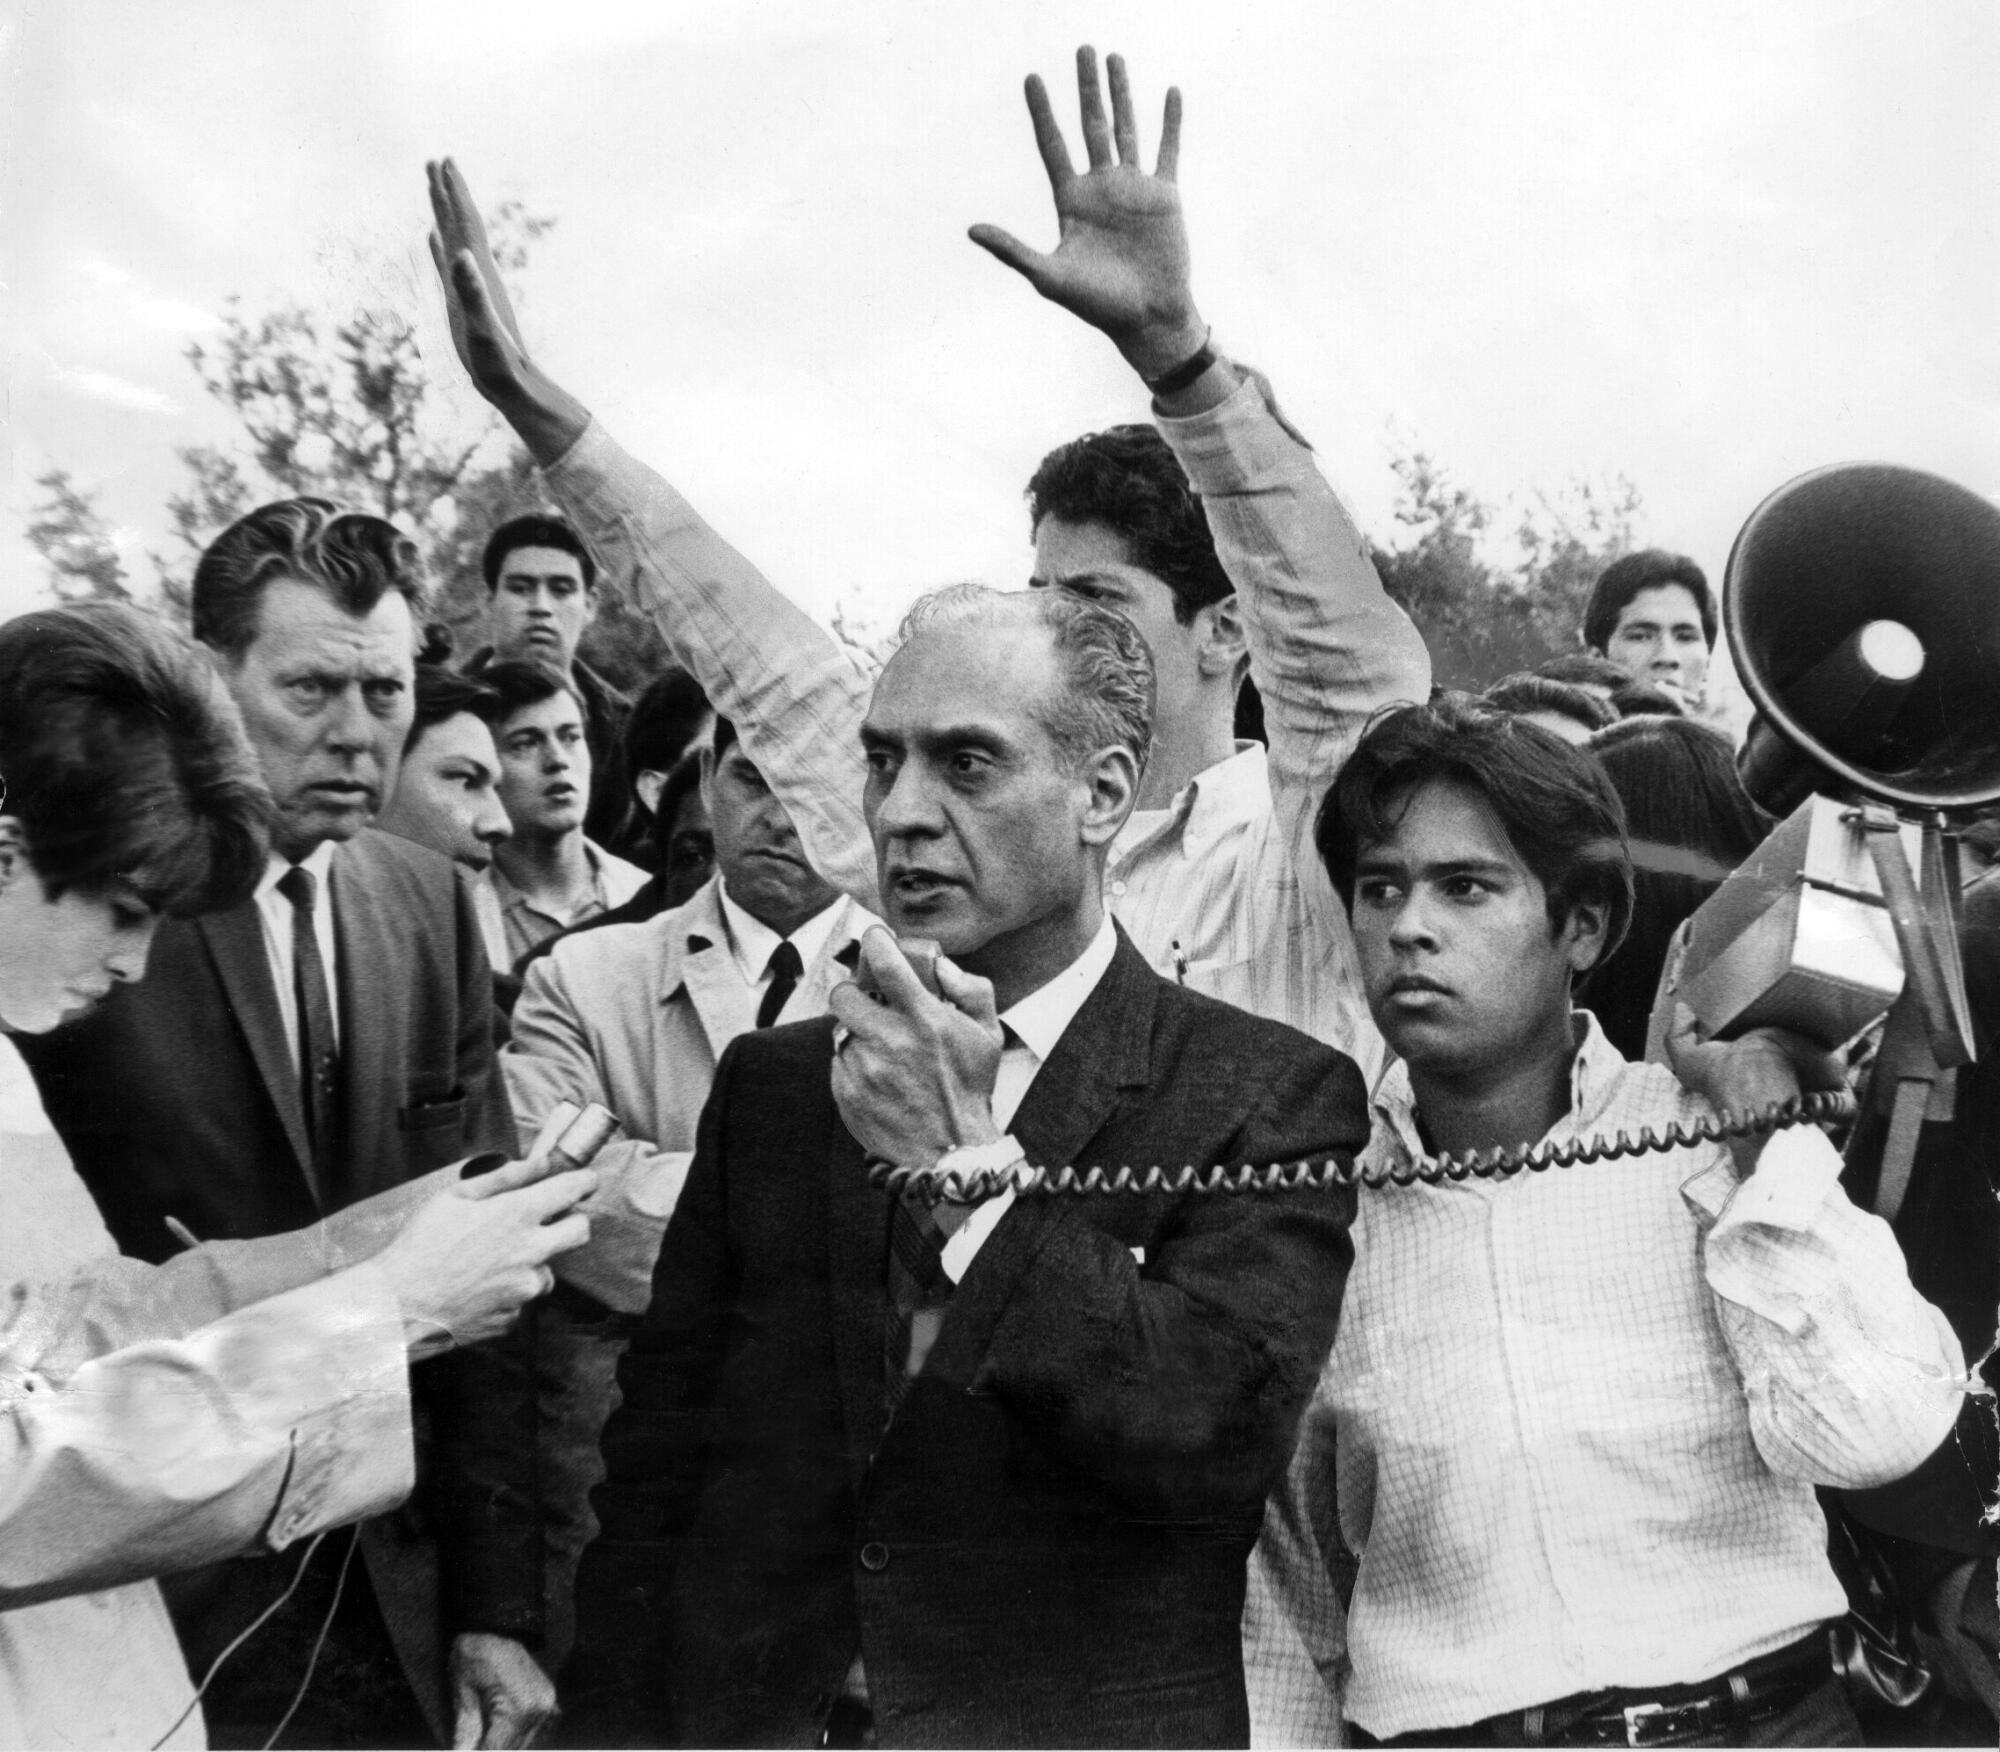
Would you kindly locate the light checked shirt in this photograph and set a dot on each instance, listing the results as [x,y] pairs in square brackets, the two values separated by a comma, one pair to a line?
[1579,1415]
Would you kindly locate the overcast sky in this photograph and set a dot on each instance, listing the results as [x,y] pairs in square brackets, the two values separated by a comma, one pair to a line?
[1704,245]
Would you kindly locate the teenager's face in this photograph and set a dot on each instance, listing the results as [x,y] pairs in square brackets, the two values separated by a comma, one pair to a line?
[544,767]
[59,955]
[1463,973]
[1659,638]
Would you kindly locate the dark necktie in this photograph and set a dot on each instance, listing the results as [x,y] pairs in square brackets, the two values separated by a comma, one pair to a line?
[784,968]
[319,1062]
[916,1284]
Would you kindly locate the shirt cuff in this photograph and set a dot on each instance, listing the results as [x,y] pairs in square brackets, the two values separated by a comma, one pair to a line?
[1797,1171]
[328,1361]
[965,1244]
[1242,442]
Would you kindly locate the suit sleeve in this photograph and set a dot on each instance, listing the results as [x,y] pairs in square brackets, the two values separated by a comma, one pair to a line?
[263,1426]
[1177,1384]
[485,1487]
[657,1443]
[549,1060]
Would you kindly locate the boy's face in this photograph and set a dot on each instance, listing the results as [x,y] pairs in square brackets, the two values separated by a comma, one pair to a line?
[1463,973]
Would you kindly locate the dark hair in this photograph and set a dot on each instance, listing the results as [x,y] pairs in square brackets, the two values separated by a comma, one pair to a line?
[352,557]
[1584,669]
[538,529]
[124,759]
[1556,805]
[1689,822]
[1648,569]
[1129,481]
[1537,693]
[444,693]
[1641,699]
[663,721]
[519,682]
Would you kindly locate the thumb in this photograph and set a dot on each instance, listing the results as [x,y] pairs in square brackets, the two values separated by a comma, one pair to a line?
[888,972]
[967,993]
[1030,264]
[467,1727]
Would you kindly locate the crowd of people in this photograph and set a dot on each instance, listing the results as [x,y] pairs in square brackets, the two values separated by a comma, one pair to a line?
[341,1409]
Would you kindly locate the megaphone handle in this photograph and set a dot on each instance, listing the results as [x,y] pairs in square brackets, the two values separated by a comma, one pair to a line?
[1925,935]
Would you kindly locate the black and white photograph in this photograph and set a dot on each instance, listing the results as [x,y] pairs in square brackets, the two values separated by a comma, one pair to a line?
[1028,875]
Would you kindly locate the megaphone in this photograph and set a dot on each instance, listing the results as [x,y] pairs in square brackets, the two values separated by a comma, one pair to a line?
[1862,606]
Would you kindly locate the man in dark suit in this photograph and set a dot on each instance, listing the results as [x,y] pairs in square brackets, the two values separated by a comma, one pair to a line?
[327,1040]
[982,1473]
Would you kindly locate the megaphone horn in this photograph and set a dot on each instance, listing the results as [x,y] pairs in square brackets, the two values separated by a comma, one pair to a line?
[1862,604]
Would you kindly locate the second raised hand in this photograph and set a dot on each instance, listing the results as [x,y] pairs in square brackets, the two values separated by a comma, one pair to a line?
[1121,259]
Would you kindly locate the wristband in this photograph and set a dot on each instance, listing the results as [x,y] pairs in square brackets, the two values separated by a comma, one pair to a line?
[1172,381]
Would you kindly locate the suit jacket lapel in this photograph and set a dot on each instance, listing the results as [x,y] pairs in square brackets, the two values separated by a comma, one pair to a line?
[1106,1048]
[235,942]
[366,972]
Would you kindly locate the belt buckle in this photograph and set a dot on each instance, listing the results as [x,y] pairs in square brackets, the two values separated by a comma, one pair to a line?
[1638,1720]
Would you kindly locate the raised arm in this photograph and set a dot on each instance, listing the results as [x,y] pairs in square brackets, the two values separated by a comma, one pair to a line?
[1327,646]
[795,695]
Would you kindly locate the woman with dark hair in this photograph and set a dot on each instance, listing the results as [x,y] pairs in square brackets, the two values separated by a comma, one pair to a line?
[1691,823]
[155,1418]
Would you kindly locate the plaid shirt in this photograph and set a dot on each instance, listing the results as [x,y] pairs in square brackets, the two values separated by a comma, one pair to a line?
[1578,1416]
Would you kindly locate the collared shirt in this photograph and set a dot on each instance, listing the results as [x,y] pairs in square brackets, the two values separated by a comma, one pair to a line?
[1034,1024]
[1578,1415]
[276,912]
[612,883]
[752,942]
[1224,891]
[1227,881]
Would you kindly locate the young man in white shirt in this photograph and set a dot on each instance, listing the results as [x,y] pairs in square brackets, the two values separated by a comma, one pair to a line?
[1576,1417]
[548,875]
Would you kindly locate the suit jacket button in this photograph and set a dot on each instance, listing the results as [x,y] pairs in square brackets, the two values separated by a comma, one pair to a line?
[875,1556]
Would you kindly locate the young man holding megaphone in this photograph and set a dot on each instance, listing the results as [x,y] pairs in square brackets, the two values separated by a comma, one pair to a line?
[1578,1416]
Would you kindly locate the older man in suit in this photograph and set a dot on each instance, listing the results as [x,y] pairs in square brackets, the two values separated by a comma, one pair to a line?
[325,1041]
[984,1473]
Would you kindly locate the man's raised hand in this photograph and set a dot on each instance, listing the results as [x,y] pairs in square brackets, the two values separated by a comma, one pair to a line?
[484,329]
[1121,259]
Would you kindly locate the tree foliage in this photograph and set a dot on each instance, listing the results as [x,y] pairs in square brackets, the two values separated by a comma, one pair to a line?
[1485,616]
[341,408]
[66,529]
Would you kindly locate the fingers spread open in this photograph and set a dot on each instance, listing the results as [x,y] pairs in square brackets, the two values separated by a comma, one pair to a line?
[1048,137]
[1090,99]
[1170,137]
[1123,128]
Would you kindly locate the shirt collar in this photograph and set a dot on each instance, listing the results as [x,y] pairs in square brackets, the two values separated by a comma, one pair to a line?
[1040,1019]
[512,898]
[1593,1080]
[751,941]
[1214,802]
[319,861]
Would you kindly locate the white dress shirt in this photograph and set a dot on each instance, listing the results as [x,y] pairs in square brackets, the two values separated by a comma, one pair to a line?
[1034,1024]
[277,913]
[752,942]
[1579,1415]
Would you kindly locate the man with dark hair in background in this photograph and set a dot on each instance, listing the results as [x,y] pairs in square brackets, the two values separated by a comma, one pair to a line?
[670,718]
[1213,873]
[1577,1417]
[1653,614]
[634,1016]
[548,874]
[541,587]
[327,1040]
[447,793]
